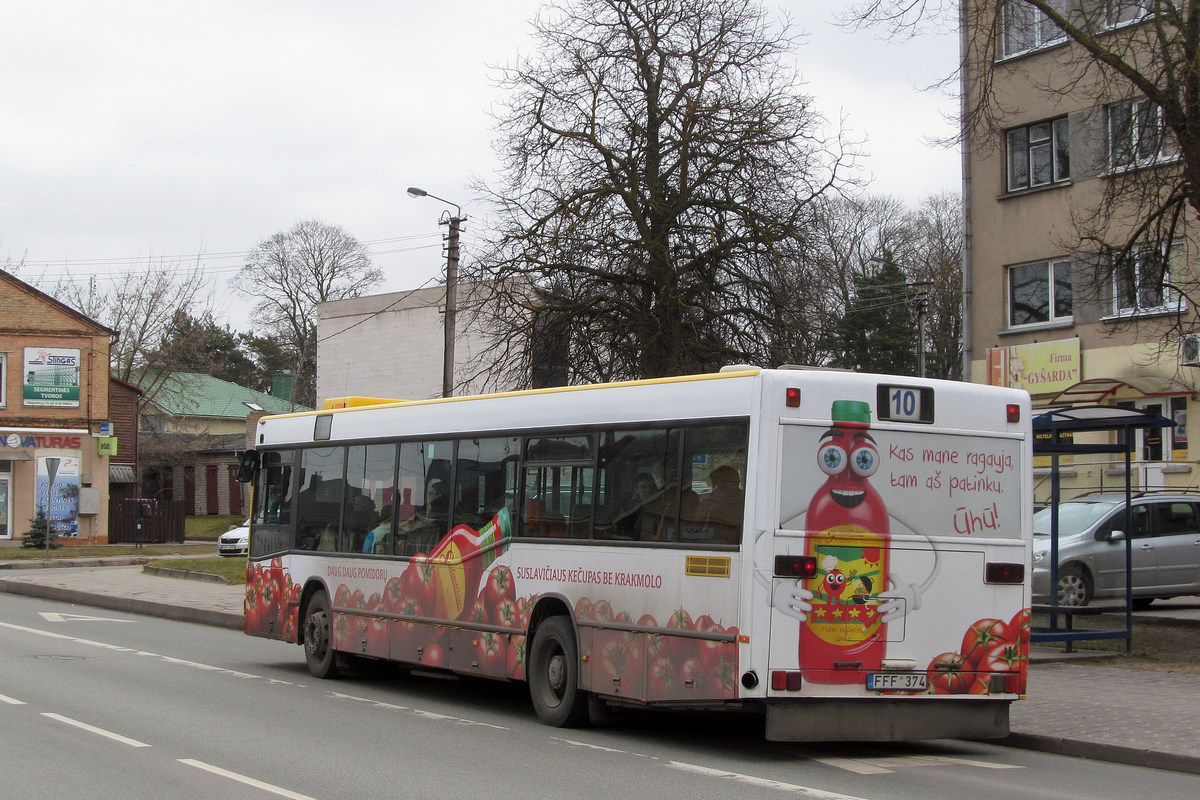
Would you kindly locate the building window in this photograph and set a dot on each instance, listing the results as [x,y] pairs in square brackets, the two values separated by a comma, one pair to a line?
[3,379]
[1123,12]
[1026,28]
[1142,282]
[1039,293]
[1039,155]
[1137,136]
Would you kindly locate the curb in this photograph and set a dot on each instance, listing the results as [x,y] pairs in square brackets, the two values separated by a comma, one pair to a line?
[185,574]
[221,619]
[66,563]
[1098,751]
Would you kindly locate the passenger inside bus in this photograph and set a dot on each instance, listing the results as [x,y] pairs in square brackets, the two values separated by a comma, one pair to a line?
[639,521]
[724,505]
[380,537]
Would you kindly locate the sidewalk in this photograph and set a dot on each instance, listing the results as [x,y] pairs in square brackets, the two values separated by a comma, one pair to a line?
[1109,714]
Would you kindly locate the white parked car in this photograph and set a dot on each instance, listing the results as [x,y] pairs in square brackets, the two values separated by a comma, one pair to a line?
[235,542]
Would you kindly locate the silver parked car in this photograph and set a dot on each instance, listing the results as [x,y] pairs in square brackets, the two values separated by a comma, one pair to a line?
[236,541]
[1165,538]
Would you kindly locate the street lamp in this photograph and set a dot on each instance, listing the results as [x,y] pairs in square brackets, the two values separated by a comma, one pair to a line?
[455,223]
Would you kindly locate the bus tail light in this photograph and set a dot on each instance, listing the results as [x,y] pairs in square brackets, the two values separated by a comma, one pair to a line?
[792,398]
[784,681]
[1003,572]
[795,566]
[1014,412]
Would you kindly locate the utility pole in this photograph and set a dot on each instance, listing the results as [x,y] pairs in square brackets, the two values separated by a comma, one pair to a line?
[922,306]
[455,222]
[451,305]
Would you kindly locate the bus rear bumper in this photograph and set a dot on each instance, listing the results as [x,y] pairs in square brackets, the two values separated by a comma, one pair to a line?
[883,720]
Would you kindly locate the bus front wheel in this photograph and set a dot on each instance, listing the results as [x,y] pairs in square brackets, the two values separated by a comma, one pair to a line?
[318,638]
[553,675]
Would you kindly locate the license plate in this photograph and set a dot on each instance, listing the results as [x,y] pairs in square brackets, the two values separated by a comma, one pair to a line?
[897,681]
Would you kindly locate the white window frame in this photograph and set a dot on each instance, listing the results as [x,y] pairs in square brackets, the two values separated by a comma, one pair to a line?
[1051,266]
[1046,142]
[1167,302]
[1036,29]
[1126,12]
[3,380]
[1138,146]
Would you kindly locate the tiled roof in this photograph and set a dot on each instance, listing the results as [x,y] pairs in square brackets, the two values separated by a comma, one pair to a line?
[194,394]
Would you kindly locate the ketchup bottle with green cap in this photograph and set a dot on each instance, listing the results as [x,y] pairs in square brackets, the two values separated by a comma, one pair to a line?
[847,533]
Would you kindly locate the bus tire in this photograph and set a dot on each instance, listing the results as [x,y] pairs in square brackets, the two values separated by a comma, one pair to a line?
[553,675]
[319,654]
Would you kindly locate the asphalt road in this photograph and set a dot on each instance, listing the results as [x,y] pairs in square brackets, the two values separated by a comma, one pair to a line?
[110,705]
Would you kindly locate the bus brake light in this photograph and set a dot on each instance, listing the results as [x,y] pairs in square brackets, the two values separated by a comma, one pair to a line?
[792,399]
[1002,572]
[784,681]
[1014,412]
[795,567]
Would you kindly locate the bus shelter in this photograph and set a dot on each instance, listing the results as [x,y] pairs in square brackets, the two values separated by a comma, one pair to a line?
[1054,436]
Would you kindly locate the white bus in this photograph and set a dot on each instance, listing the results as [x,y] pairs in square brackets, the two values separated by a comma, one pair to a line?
[847,553]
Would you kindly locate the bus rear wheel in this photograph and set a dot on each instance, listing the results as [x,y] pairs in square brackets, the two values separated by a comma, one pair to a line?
[553,675]
[319,654]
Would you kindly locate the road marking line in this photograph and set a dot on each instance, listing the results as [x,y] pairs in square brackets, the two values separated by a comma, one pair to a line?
[590,746]
[763,783]
[12,701]
[886,765]
[257,784]
[116,737]
[856,765]
[415,711]
[120,649]
[50,616]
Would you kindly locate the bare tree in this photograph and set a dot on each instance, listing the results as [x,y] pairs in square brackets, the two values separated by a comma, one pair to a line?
[1141,59]
[659,168]
[934,263]
[288,274]
[142,306]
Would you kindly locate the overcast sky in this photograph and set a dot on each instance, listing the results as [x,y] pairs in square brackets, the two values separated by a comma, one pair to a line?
[135,129]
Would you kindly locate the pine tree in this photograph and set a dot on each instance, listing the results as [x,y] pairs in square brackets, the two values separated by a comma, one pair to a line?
[39,528]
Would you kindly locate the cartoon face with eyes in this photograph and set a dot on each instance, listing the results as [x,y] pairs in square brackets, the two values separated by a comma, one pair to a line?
[848,457]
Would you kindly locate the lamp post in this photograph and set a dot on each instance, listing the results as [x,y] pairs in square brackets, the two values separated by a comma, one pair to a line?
[455,222]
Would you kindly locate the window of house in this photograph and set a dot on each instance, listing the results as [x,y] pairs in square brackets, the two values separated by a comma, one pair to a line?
[3,379]
[1038,154]
[1122,12]
[1026,28]
[1039,293]
[1137,136]
[1142,283]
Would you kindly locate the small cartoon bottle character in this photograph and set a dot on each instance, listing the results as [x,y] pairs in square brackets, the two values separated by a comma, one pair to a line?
[847,533]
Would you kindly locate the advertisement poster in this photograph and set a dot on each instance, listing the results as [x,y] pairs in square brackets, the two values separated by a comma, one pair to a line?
[880,510]
[58,492]
[51,377]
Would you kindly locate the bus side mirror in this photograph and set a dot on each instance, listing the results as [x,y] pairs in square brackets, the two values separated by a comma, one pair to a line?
[247,466]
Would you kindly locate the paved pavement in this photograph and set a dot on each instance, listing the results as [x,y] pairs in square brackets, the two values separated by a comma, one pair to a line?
[1105,713]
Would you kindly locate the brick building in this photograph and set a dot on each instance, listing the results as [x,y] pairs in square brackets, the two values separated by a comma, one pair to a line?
[55,425]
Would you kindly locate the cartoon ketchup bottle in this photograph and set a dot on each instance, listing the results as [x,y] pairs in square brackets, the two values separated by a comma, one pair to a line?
[847,533]
[459,561]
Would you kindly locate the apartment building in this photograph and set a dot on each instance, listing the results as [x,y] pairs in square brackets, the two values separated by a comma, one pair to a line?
[1049,307]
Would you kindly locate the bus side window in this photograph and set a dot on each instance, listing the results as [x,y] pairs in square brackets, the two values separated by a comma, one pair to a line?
[717,456]
[425,482]
[319,501]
